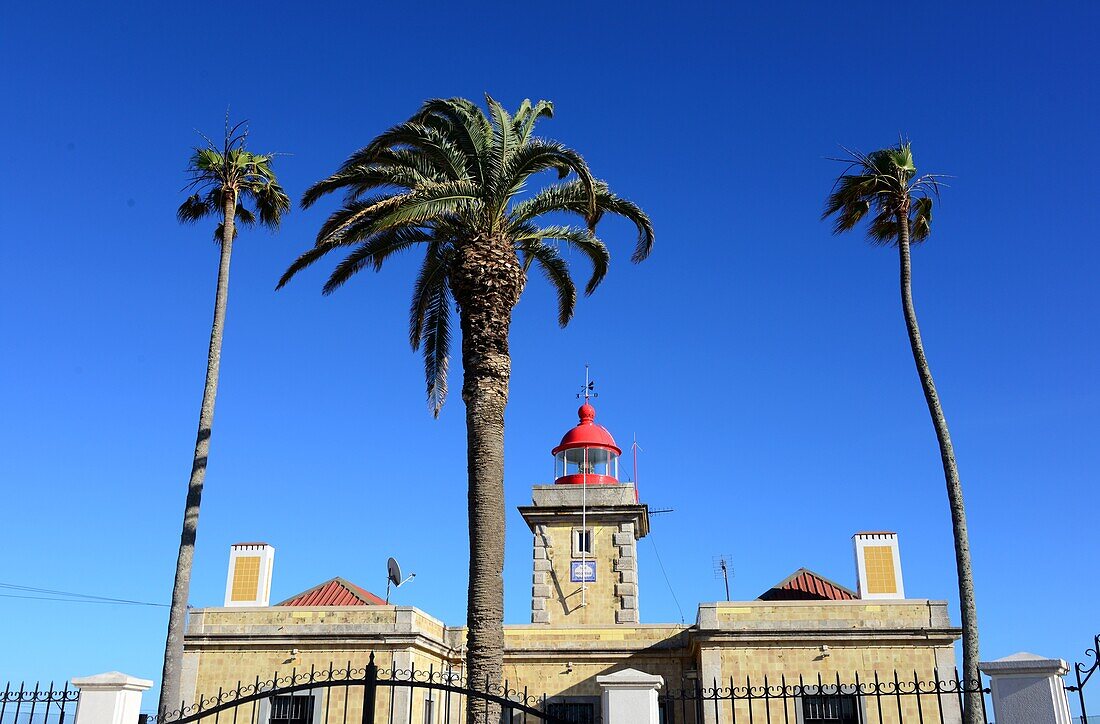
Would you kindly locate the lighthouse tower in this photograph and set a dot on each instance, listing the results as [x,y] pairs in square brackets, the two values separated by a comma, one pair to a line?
[586,526]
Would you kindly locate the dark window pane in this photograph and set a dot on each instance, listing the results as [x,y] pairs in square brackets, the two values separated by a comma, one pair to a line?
[573,712]
[829,709]
[291,710]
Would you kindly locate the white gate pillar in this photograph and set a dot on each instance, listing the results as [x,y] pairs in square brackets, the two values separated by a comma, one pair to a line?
[1027,689]
[111,698]
[629,697]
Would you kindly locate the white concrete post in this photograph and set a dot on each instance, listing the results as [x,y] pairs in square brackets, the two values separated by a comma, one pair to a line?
[629,697]
[111,698]
[1027,689]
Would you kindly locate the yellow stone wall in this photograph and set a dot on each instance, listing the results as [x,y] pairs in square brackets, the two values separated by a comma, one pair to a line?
[741,639]
[227,648]
[748,641]
[850,614]
[565,597]
[566,661]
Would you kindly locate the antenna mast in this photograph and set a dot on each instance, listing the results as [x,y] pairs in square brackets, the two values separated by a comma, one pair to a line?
[635,448]
[722,570]
[588,391]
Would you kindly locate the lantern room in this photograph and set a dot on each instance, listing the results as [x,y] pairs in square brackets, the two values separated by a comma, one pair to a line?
[587,454]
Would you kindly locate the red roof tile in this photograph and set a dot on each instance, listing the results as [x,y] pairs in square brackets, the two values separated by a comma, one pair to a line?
[805,585]
[334,592]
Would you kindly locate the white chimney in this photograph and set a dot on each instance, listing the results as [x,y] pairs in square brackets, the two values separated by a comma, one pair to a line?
[878,565]
[249,580]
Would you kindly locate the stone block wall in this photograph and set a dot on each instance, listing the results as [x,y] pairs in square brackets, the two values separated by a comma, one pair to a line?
[611,513]
[611,598]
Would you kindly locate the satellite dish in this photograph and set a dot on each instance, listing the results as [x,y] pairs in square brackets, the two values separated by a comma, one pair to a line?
[393,577]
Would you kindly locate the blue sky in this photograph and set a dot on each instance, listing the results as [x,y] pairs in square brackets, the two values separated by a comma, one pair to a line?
[761,362]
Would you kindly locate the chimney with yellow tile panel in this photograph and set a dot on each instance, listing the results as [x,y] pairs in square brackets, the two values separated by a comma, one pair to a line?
[878,565]
[249,579]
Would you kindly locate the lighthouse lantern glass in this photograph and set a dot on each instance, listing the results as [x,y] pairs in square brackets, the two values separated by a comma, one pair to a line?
[587,460]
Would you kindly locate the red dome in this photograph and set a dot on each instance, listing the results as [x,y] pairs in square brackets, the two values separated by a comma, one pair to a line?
[587,433]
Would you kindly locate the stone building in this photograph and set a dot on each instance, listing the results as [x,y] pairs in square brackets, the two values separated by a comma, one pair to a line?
[585,616]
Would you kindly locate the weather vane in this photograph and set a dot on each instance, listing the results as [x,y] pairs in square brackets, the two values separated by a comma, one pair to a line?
[589,389]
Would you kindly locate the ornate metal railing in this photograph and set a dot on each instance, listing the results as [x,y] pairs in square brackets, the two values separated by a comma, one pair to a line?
[892,699]
[1083,671]
[38,705]
[370,695]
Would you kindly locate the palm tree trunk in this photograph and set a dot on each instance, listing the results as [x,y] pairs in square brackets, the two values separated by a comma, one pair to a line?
[173,650]
[486,283]
[971,674]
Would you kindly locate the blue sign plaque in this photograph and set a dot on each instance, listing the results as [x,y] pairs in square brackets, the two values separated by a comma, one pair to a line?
[582,571]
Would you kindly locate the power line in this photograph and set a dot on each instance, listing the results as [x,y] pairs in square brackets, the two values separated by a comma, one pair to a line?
[79,600]
[669,583]
[70,597]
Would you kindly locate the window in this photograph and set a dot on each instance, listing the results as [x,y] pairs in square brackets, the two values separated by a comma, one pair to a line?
[293,709]
[590,460]
[831,709]
[582,542]
[574,712]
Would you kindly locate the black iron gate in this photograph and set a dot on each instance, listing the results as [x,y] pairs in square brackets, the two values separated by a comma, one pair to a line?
[40,705]
[1083,672]
[892,698]
[367,695]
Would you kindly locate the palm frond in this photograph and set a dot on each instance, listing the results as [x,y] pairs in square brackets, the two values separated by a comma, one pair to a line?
[556,272]
[373,252]
[570,197]
[219,233]
[528,115]
[425,204]
[430,321]
[434,270]
[883,229]
[884,185]
[446,158]
[446,177]
[920,224]
[505,142]
[354,219]
[193,208]
[310,257]
[580,239]
[244,215]
[235,171]
[538,156]
[465,123]
[271,203]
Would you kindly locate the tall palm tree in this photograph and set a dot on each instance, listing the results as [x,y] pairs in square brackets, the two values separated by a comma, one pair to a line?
[226,181]
[885,185]
[449,180]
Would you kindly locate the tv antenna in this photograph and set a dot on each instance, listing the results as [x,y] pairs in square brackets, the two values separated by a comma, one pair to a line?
[723,570]
[393,577]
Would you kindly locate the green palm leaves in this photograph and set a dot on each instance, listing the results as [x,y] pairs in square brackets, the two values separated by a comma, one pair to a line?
[455,175]
[217,172]
[883,184]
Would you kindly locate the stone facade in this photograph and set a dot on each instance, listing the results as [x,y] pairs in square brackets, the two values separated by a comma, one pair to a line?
[729,640]
[567,646]
[615,521]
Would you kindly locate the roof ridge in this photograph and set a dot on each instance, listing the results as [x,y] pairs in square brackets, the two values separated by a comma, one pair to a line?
[364,595]
[361,594]
[803,571]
